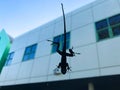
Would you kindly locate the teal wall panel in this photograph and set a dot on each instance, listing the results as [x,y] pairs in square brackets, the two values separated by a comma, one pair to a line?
[4,48]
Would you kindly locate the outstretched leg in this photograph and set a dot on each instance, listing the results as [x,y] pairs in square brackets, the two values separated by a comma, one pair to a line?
[59,66]
[67,66]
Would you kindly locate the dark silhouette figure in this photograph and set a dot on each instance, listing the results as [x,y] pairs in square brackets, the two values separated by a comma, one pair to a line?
[63,64]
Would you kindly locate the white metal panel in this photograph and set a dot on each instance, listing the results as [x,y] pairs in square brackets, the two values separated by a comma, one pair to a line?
[82,18]
[83,8]
[4,73]
[22,81]
[86,60]
[1,83]
[58,77]
[109,52]
[38,79]
[43,48]
[33,36]
[18,56]
[59,27]
[97,2]
[119,2]
[19,42]
[115,70]
[68,21]
[12,72]
[54,61]
[83,36]
[84,74]
[40,67]
[25,69]
[46,32]
[6,83]
[106,9]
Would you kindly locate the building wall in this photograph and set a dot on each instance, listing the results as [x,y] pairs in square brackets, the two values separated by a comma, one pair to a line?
[96,59]
[4,48]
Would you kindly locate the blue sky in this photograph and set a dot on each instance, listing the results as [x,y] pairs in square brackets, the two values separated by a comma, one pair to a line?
[20,16]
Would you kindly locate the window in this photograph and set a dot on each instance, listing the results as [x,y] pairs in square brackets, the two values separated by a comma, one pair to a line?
[103,34]
[115,24]
[108,27]
[9,58]
[116,30]
[101,24]
[29,52]
[102,29]
[114,20]
[60,39]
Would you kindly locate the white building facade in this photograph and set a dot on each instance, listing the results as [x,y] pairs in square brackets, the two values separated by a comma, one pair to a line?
[93,31]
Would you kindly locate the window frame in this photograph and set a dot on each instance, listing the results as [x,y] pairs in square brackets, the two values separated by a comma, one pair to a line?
[110,27]
[61,41]
[27,54]
[9,59]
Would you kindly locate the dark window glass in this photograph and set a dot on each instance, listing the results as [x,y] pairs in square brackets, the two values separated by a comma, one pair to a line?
[9,58]
[29,52]
[67,41]
[33,49]
[103,34]
[116,30]
[31,56]
[60,39]
[101,24]
[114,20]
[67,45]
[56,39]
[26,57]
[109,27]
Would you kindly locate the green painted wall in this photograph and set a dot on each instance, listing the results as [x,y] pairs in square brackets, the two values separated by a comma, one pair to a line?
[4,48]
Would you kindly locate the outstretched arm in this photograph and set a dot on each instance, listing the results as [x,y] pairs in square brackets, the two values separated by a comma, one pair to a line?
[58,45]
[71,54]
